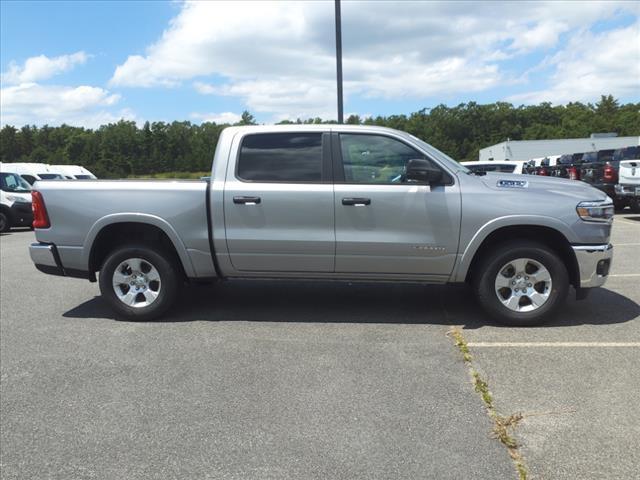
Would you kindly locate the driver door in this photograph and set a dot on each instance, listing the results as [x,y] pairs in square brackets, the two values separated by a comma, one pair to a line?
[385,225]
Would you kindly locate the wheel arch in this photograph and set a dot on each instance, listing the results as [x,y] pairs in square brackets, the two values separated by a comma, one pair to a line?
[116,230]
[554,238]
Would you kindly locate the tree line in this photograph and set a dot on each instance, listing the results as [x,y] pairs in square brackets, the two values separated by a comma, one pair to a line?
[124,149]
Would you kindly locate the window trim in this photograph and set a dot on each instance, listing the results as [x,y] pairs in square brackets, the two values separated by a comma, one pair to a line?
[338,164]
[326,166]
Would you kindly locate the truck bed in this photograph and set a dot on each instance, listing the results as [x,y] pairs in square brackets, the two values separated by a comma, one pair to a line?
[80,209]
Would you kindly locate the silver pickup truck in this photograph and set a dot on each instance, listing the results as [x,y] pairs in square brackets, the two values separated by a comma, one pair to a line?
[329,202]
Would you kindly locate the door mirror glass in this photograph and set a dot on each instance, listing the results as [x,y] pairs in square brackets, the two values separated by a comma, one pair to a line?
[420,170]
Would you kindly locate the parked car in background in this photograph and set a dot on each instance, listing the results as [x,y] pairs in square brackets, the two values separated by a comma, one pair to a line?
[567,166]
[73,172]
[627,190]
[32,172]
[541,165]
[510,166]
[15,201]
[600,170]
[329,202]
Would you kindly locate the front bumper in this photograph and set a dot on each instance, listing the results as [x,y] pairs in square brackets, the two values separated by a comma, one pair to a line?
[594,263]
[46,259]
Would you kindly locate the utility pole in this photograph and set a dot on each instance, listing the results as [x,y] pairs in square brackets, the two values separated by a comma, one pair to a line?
[339,61]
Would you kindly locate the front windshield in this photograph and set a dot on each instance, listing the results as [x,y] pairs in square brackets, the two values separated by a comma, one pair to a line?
[10,182]
[50,176]
[440,155]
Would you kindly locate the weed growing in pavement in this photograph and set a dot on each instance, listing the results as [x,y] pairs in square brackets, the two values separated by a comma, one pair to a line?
[502,426]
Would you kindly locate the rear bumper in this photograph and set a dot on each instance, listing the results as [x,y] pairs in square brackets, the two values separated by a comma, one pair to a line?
[627,190]
[46,259]
[594,263]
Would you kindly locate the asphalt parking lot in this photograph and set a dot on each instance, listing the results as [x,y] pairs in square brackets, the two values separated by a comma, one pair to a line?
[312,380]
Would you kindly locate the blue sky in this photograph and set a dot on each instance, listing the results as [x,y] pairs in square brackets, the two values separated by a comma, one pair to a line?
[88,63]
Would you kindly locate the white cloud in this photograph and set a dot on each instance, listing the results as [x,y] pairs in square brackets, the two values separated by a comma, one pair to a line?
[278,57]
[591,65]
[219,118]
[31,103]
[41,67]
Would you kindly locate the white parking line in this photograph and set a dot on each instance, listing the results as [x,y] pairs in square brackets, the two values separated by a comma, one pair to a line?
[617,220]
[553,344]
[625,275]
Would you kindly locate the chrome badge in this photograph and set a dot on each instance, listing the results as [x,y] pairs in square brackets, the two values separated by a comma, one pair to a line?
[513,183]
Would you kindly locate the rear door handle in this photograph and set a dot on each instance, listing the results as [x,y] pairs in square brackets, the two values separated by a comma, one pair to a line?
[247,200]
[357,202]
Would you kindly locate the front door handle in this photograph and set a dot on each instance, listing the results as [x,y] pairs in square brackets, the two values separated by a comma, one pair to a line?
[247,200]
[357,202]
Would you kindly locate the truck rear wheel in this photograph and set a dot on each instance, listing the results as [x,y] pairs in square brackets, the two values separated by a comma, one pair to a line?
[139,282]
[521,283]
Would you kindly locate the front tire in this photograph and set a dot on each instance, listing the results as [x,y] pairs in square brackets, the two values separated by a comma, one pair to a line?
[139,282]
[521,283]
[5,223]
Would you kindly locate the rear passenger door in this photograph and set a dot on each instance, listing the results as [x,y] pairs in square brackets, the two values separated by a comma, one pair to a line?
[278,203]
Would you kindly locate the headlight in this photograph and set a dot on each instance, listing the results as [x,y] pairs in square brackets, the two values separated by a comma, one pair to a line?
[13,198]
[595,211]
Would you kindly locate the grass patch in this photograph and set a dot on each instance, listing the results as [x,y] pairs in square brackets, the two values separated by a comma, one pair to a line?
[502,426]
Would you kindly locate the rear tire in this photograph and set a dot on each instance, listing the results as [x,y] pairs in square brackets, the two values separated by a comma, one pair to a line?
[139,282]
[521,283]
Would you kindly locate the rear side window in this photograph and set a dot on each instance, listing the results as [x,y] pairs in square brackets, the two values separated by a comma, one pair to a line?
[281,157]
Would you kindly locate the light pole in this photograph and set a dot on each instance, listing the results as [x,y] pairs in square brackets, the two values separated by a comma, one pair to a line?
[339,61]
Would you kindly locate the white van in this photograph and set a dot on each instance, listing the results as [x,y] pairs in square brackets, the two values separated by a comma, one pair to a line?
[15,200]
[73,172]
[508,166]
[33,172]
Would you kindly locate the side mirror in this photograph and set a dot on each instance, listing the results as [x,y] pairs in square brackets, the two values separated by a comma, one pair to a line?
[420,170]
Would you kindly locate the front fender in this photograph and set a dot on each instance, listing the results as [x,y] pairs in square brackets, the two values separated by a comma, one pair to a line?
[148,219]
[466,256]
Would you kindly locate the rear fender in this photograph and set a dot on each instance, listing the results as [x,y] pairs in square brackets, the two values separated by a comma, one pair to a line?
[162,224]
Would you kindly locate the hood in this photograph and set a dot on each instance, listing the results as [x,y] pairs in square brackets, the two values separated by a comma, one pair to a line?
[547,185]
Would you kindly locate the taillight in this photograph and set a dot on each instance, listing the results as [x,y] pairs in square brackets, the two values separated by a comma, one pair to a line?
[543,171]
[573,173]
[609,173]
[40,217]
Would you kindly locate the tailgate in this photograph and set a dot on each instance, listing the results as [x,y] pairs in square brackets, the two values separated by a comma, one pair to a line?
[592,172]
[629,172]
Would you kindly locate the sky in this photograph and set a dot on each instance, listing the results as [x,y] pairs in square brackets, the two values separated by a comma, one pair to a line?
[92,63]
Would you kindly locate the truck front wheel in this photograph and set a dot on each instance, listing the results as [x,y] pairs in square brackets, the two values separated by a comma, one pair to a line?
[521,283]
[139,282]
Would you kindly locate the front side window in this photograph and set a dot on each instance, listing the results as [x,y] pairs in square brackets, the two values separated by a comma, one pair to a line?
[281,157]
[375,158]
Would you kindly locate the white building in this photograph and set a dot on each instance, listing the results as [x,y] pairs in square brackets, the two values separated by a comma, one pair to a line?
[527,149]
